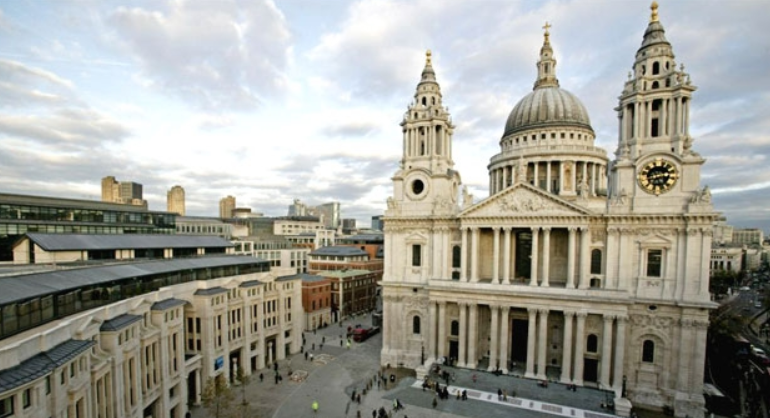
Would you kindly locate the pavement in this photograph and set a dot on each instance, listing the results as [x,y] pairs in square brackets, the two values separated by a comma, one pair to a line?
[336,372]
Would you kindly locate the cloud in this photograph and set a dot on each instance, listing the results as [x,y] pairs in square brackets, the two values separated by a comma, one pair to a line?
[223,55]
[65,128]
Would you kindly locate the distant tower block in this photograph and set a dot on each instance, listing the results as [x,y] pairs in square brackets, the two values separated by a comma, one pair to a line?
[175,200]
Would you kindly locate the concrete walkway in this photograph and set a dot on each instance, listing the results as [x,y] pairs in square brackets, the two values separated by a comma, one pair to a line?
[336,372]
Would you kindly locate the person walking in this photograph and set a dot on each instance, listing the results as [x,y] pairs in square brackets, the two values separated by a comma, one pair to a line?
[315,406]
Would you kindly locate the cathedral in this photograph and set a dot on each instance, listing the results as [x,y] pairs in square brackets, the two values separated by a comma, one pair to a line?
[576,268]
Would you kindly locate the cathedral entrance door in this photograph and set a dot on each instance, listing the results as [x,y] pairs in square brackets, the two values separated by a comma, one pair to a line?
[590,370]
[454,349]
[518,344]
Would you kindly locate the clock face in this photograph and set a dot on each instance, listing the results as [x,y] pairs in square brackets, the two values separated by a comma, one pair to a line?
[658,176]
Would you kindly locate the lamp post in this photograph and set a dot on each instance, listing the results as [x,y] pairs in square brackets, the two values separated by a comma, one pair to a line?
[422,354]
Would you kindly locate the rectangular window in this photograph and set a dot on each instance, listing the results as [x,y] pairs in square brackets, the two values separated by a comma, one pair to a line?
[26,398]
[416,255]
[654,263]
[6,407]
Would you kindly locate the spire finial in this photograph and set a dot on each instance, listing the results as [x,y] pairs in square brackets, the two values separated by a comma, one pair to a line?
[546,34]
[654,15]
[427,57]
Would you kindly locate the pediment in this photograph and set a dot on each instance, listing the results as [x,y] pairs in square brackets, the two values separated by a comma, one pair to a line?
[524,200]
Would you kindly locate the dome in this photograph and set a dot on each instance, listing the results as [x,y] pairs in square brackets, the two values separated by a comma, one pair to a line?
[547,106]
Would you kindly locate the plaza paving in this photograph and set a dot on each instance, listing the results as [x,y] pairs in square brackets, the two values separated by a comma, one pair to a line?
[336,372]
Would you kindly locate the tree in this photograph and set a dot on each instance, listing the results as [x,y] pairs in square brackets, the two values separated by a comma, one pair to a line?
[217,397]
[243,380]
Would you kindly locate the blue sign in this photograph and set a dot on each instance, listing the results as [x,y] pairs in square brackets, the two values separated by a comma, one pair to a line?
[219,362]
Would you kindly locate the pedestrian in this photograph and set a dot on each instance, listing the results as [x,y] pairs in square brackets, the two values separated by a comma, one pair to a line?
[275,366]
[340,343]
[311,356]
[435,402]
[499,394]
[353,396]
[348,345]
[313,346]
[358,414]
[374,413]
[314,331]
[474,378]
[505,395]
[315,406]
[323,339]
[305,356]
[358,398]
[261,377]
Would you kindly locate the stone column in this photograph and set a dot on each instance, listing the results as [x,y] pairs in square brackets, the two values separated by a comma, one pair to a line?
[542,343]
[536,176]
[496,255]
[530,373]
[561,178]
[463,333]
[464,255]
[494,312]
[620,350]
[699,356]
[546,256]
[474,254]
[507,256]
[548,176]
[433,331]
[533,257]
[473,332]
[685,360]
[580,340]
[504,329]
[505,179]
[571,258]
[441,328]
[566,361]
[585,257]
[606,361]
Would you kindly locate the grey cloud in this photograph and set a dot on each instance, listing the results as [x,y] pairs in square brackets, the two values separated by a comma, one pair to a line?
[217,55]
[79,128]
[350,129]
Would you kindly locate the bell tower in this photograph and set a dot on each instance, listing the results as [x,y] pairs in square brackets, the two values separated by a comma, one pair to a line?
[426,181]
[655,168]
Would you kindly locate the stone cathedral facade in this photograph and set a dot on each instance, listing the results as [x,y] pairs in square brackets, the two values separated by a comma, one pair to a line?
[575,268]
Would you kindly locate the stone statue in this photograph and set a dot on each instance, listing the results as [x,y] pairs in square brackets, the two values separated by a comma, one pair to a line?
[467,197]
[622,197]
[583,189]
[567,176]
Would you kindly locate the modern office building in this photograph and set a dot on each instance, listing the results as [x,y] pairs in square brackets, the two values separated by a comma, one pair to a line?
[377,223]
[20,214]
[748,236]
[575,268]
[226,207]
[330,214]
[140,339]
[175,200]
[123,192]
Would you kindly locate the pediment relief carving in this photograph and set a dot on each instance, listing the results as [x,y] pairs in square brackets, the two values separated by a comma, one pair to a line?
[523,200]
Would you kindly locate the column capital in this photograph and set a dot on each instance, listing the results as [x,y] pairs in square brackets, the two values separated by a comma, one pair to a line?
[463,304]
[543,311]
[493,306]
[534,228]
[546,229]
[608,317]
[572,229]
[622,319]
[581,314]
[583,228]
[532,311]
[569,313]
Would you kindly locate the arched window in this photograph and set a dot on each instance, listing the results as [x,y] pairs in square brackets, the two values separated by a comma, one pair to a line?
[655,68]
[415,324]
[592,345]
[455,328]
[433,100]
[424,101]
[596,261]
[648,351]
[655,85]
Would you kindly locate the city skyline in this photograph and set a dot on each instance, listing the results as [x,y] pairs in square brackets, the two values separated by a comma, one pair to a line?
[300,99]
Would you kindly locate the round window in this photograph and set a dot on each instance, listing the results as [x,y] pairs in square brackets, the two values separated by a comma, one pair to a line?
[418,187]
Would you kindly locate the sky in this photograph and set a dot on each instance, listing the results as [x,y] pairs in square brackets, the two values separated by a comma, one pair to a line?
[271,101]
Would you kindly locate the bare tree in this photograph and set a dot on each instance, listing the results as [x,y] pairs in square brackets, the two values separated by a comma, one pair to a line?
[218,398]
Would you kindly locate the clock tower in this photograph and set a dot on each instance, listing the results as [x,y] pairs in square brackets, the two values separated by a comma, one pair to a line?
[426,183]
[656,169]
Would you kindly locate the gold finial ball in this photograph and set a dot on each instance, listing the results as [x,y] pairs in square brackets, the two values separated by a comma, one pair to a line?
[654,8]
[427,56]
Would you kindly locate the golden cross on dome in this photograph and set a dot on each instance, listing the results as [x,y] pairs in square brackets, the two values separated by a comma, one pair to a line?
[654,7]
[427,57]
[546,27]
